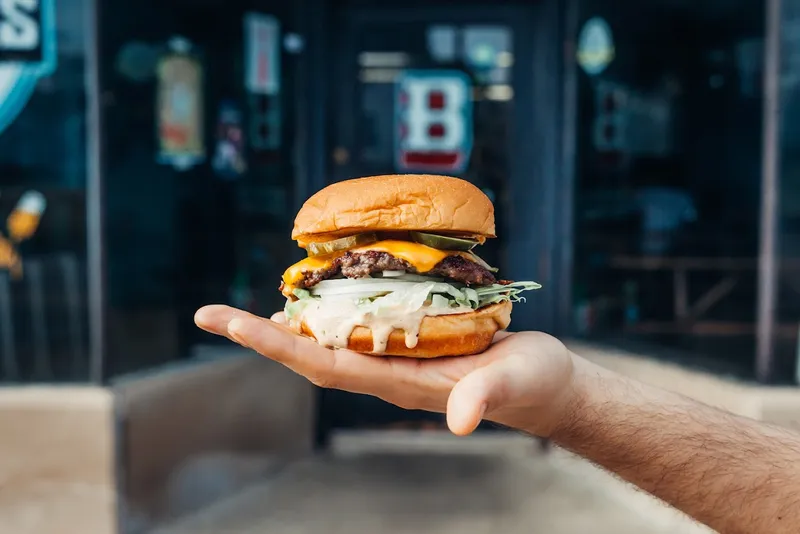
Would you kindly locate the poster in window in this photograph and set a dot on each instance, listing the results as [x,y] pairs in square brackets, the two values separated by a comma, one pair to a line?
[262,54]
[180,111]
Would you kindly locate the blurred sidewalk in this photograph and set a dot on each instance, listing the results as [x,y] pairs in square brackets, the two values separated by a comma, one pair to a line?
[59,452]
[403,483]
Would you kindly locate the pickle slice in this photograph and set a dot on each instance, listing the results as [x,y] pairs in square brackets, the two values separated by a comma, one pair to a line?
[480,261]
[337,245]
[443,242]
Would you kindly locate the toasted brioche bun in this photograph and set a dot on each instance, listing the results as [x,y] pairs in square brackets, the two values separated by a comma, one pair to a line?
[396,202]
[440,335]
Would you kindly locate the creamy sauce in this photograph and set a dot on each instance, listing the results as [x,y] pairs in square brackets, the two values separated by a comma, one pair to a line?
[333,320]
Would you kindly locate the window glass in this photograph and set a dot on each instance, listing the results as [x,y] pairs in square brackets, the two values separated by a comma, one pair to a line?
[43,310]
[199,181]
[787,348]
[668,178]
[386,53]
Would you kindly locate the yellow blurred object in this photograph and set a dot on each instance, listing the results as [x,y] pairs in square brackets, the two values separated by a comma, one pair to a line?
[9,258]
[24,220]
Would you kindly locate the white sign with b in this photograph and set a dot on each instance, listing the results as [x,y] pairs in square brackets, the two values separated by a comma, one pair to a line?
[433,121]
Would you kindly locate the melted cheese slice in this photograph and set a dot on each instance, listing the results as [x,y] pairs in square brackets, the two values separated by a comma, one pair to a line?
[295,273]
[421,257]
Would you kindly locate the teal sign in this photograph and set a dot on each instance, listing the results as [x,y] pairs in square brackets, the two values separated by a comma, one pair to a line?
[27,52]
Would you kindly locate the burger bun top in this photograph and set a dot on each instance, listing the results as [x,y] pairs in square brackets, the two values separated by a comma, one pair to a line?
[421,202]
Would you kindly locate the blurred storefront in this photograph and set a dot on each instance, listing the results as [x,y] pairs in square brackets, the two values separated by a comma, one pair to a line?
[153,155]
[683,183]
[43,184]
[669,163]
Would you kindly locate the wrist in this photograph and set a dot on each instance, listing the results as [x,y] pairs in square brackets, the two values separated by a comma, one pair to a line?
[570,406]
[548,419]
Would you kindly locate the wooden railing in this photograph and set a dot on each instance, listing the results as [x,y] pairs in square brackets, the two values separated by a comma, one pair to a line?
[688,315]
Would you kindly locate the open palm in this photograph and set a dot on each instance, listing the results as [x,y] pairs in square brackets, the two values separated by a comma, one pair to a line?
[516,382]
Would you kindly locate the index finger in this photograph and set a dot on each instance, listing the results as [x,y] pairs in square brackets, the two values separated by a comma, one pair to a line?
[215,318]
[251,331]
[299,354]
[340,369]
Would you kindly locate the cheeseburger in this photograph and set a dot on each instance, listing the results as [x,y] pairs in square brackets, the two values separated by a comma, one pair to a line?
[391,268]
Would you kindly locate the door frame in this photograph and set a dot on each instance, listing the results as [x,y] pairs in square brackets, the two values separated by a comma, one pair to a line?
[539,241]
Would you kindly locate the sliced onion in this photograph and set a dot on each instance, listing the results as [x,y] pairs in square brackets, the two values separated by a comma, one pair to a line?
[392,274]
[361,287]
[439,301]
[365,294]
[356,283]
[376,286]
[359,283]
[419,278]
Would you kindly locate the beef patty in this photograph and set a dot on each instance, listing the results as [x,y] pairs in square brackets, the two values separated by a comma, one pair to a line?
[363,264]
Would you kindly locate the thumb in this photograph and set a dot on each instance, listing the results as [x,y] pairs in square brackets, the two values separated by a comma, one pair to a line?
[484,390]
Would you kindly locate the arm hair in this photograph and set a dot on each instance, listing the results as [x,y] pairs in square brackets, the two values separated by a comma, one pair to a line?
[731,473]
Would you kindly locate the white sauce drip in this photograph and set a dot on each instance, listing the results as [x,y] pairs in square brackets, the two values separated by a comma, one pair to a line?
[333,320]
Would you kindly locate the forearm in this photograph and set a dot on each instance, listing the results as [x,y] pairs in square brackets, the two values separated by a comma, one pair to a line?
[733,474]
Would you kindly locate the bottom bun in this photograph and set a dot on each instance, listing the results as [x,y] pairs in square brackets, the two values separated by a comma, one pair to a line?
[439,335]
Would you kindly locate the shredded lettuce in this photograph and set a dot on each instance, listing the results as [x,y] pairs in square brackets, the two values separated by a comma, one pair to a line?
[295,308]
[301,293]
[508,292]
[438,301]
[408,296]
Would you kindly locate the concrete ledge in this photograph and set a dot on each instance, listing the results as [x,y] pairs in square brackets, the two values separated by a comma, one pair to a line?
[195,432]
[345,443]
[57,460]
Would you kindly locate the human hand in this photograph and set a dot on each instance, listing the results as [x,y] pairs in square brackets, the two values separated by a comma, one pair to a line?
[522,381]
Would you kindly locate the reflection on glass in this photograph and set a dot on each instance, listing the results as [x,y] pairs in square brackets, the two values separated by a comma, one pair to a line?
[443,43]
[668,180]
[487,46]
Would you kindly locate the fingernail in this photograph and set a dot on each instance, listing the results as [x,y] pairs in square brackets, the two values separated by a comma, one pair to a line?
[234,329]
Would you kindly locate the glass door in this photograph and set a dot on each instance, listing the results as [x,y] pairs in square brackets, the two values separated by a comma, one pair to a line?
[436,91]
